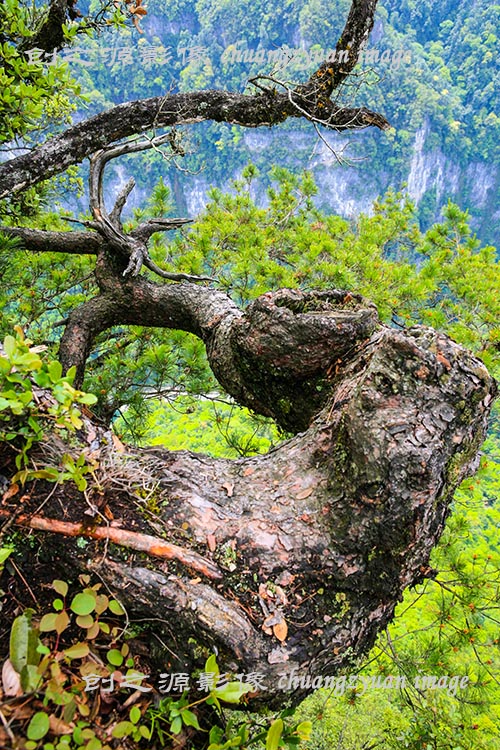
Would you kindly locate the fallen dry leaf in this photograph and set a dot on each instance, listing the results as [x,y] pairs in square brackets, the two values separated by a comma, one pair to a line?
[108,513]
[58,726]
[117,443]
[280,630]
[91,435]
[11,680]
[305,493]
[273,619]
[10,492]
[211,542]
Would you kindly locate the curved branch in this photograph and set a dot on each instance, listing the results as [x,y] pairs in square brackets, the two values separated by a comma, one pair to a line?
[280,357]
[81,140]
[322,534]
[265,109]
[137,301]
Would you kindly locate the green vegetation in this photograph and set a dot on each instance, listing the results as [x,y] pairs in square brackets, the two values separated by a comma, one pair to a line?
[56,658]
[24,423]
[153,384]
[442,277]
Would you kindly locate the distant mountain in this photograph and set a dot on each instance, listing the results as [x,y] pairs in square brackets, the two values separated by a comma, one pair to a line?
[431,69]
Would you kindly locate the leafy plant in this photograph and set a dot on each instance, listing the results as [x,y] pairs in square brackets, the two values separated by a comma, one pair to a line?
[22,422]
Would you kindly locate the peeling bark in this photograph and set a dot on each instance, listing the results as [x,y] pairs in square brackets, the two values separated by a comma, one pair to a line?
[326,531]
[320,536]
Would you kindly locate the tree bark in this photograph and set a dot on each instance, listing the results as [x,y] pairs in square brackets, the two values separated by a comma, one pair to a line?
[318,539]
[296,559]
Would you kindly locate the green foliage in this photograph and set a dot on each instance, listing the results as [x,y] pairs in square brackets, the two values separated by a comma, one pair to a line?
[24,650]
[442,277]
[215,427]
[58,668]
[449,82]
[23,422]
[33,93]
[5,553]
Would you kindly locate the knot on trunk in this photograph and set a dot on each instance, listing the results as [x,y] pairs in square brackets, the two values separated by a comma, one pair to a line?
[287,350]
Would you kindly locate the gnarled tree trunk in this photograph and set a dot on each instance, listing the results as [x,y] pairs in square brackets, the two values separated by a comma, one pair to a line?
[294,560]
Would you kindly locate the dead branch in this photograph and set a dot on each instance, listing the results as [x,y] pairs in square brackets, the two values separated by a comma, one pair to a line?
[132,540]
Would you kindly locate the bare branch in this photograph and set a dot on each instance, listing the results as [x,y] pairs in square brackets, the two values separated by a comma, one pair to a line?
[40,241]
[311,100]
[120,201]
[172,275]
[81,140]
[150,227]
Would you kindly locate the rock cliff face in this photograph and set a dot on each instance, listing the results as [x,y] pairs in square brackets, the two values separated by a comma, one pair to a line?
[349,184]
[430,170]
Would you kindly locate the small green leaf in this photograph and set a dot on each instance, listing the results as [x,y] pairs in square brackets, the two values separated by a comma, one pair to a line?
[304,730]
[135,714]
[122,729]
[211,666]
[116,608]
[83,604]
[114,657]
[55,371]
[274,735]
[78,651]
[30,678]
[87,398]
[9,345]
[176,725]
[233,691]
[4,554]
[24,642]
[48,622]
[58,605]
[216,735]
[38,726]
[189,718]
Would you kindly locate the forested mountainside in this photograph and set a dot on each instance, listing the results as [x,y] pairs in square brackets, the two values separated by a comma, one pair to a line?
[432,69]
